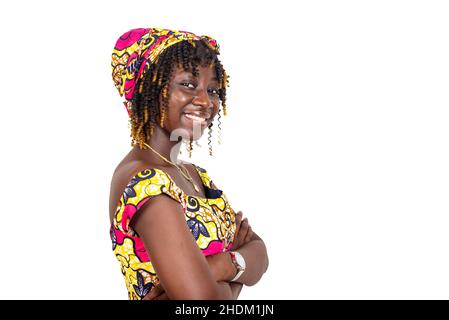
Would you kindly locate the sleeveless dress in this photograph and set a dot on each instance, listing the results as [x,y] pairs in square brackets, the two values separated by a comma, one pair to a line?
[211,221]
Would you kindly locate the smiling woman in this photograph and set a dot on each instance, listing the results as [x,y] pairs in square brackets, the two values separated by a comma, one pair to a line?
[187,103]
[173,231]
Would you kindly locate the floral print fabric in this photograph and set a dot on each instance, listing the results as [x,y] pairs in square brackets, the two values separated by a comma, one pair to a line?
[211,221]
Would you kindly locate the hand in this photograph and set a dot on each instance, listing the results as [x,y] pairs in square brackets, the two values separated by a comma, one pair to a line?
[157,293]
[243,232]
[221,266]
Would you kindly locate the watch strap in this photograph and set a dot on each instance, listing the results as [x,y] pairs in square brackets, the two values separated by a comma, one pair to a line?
[239,268]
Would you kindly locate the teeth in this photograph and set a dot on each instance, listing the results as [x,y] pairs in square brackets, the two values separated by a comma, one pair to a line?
[191,116]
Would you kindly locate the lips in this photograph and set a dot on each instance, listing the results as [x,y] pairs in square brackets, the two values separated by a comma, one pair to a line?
[197,116]
[193,119]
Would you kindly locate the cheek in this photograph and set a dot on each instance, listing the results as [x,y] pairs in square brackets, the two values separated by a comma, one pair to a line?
[175,106]
[178,98]
[174,118]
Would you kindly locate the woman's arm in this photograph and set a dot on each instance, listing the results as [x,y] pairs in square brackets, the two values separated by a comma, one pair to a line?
[256,258]
[158,293]
[218,272]
[221,266]
[182,269]
[253,250]
[236,288]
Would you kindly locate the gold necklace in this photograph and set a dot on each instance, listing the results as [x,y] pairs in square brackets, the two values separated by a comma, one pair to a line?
[186,175]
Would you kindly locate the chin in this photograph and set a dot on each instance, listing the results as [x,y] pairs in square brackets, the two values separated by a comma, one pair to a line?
[187,132]
[196,136]
[192,130]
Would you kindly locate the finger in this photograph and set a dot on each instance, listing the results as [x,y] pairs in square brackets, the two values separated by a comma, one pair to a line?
[249,234]
[238,221]
[163,296]
[243,230]
[238,217]
[157,290]
[244,224]
[149,296]
[159,296]
[237,235]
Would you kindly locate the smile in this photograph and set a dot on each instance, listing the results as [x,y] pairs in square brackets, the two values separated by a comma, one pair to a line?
[195,118]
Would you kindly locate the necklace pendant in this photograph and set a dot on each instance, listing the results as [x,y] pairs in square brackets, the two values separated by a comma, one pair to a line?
[196,188]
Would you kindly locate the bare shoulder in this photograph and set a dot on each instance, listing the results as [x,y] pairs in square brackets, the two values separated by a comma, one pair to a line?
[120,178]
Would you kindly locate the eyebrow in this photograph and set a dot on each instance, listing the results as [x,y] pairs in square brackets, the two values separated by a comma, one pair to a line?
[190,73]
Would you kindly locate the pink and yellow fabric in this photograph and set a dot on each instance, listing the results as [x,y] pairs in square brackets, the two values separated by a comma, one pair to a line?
[211,221]
[136,50]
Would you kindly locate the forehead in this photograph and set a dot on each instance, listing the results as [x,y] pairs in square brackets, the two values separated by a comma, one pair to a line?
[207,72]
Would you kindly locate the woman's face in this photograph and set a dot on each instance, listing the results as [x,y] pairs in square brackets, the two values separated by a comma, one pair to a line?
[193,102]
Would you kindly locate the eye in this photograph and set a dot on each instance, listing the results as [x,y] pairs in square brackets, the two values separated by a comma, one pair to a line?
[186,84]
[214,91]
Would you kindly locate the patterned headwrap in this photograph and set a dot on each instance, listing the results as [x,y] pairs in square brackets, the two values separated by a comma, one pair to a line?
[136,50]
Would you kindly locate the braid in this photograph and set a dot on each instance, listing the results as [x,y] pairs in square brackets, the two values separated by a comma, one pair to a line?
[224,83]
[209,139]
[184,56]
[190,148]
[219,126]
[145,108]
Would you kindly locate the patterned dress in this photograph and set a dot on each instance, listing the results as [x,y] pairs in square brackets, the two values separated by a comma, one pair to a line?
[211,221]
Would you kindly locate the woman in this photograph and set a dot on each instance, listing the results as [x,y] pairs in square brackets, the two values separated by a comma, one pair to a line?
[172,229]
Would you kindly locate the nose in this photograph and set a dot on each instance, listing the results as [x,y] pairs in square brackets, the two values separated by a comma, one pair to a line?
[202,99]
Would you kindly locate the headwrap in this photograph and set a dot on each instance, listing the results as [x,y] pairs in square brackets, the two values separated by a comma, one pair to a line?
[136,50]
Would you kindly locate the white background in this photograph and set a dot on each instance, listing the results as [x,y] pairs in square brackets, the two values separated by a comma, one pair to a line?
[335,147]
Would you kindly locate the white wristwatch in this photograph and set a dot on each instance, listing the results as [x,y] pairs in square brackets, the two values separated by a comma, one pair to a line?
[239,262]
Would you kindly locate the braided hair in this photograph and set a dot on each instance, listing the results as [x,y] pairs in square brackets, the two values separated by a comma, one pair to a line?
[145,108]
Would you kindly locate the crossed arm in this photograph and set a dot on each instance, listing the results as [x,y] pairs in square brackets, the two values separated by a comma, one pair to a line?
[255,254]
[183,271]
